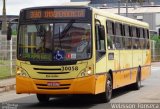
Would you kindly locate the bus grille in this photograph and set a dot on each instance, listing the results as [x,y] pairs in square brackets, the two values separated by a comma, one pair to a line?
[50,71]
[47,69]
[60,87]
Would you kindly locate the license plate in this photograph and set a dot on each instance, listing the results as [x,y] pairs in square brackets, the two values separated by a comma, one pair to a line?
[55,84]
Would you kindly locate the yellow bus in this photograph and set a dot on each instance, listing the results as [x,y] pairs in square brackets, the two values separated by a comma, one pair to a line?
[79,50]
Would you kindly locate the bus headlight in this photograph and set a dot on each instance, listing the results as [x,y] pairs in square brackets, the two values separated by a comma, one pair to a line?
[89,72]
[86,72]
[21,72]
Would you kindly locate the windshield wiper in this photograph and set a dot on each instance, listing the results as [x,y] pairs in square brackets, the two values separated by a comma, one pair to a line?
[64,32]
[66,29]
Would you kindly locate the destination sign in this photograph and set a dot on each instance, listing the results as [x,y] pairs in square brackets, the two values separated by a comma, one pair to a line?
[55,13]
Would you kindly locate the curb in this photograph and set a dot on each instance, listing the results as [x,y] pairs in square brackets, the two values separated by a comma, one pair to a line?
[7,88]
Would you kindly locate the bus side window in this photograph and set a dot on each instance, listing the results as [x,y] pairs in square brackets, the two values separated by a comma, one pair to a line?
[141,39]
[119,34]
[141,33]
[100,41]
[127,37]
[126,29]
[110,34]
[146,39]
[134,44]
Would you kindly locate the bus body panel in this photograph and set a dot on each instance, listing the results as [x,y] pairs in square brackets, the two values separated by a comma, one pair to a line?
[126,62]
[85,85]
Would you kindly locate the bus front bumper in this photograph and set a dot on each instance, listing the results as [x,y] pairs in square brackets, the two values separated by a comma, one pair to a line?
[85,85]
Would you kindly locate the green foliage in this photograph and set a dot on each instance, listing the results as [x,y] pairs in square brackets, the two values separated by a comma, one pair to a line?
[156,38]
[5,70]
[156,50]
[14,32]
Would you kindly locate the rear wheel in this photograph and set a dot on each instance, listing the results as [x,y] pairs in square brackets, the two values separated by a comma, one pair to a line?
[43,98]
[106,96]
[137,85]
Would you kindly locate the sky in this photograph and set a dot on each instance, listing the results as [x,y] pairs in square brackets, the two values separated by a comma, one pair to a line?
[13,7]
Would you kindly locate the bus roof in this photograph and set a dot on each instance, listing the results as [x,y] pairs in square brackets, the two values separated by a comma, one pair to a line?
[62,6]
[120,18]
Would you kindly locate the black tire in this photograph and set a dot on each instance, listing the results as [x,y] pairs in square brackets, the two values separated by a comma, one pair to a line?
[42,98]
[107,95]
[137,85]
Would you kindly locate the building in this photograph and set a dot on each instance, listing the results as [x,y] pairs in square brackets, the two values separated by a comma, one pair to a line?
[79,0]
[147,11]
[149,14]
[116,1]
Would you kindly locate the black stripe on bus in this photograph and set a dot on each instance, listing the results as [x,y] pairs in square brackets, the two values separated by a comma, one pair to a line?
[53,79]
[52,72]
[47,85]
[46,69]
[53,88]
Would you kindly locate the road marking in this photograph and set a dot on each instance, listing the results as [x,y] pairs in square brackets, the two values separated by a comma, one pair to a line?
[155,68]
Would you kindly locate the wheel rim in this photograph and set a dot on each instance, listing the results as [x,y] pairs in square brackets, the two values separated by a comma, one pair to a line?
[109,88]
[139,83]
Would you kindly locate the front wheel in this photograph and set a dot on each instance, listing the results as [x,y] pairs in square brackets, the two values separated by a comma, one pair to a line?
[42,98]
[107,95]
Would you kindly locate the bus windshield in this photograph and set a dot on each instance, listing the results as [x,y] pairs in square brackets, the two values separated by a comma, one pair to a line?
[54,41]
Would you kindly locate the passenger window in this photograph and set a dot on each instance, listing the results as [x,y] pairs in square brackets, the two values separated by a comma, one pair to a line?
[142,43]
[145,33]
[134,31]
[148,44]
[126,27]
[135,43]
[118,42]
[128,42]
[146,40]
[100,41]
[118,38]
[118,29]
[122,30]
[138,32]
[110,28]
[110,35]
[141,33]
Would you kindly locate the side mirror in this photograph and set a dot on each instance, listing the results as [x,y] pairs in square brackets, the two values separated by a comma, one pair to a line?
[9,32]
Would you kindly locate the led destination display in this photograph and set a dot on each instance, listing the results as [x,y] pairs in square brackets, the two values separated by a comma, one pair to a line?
[55,13]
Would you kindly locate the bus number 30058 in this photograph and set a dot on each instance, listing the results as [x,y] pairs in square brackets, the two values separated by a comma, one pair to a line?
[70,68]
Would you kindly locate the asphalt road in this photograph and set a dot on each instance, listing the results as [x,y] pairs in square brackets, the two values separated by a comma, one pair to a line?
[149,93]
